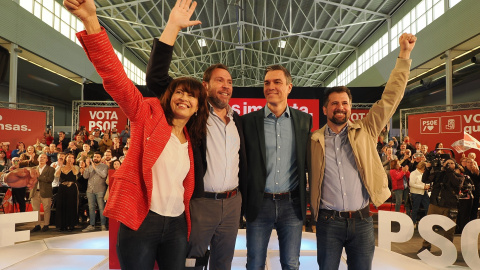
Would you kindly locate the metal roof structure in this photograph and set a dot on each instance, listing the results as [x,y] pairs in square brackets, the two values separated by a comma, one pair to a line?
[246,35]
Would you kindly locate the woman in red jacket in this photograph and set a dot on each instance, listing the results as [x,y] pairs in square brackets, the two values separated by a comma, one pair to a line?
[152,189]
[400,177]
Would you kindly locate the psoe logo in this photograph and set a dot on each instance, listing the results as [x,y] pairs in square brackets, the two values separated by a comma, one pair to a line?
[451,124]
[430,125]
[13,127]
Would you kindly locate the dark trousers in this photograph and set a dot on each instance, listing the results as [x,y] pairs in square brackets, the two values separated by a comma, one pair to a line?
[354,234]
[215,224]
[159,238]
[18,195]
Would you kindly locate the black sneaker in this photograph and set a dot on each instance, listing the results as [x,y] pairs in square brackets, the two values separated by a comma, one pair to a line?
[45,228]
[36,229]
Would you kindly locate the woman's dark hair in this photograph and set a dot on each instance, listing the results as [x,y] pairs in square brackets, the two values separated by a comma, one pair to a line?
[5,153]
[197,124]
[113,162]
[436,145]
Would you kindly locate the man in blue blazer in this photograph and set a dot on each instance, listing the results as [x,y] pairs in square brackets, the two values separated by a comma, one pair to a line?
[276,138]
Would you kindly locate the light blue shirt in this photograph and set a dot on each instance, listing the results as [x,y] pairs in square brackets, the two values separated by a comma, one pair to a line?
[342,187]
[223,144]
[281,160]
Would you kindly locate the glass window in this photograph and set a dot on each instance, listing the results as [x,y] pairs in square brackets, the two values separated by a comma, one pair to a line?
[48,4]
[56,24]
[420,9]
[421,22]
[47,17]
[64,29]
[37,10]
[454,2]
[65,15]
[438,9]
[27,4]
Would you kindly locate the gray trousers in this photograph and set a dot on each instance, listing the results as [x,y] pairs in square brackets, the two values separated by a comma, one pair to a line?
[215,224]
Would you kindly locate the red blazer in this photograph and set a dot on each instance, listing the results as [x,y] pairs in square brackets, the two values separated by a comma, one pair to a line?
[397,178]
[131,192]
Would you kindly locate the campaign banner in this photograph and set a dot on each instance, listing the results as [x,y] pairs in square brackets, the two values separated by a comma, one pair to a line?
[21,126]
[444,127]
[246,105]
[358,114]
[102,118]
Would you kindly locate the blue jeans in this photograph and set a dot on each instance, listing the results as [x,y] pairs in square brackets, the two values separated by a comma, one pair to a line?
[286,217]
[401,194]
[159,238]
[418,199]
[334,233]
[93,199]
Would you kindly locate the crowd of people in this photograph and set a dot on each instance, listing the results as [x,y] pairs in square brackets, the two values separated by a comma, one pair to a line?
[67,170]
[409,168]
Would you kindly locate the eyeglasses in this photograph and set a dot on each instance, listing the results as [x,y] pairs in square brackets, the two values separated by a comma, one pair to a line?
[449,163]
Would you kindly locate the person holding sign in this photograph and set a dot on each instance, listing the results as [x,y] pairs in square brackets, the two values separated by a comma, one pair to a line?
[152,189]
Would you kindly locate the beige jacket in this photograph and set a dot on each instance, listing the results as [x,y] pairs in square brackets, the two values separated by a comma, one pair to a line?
[363,135]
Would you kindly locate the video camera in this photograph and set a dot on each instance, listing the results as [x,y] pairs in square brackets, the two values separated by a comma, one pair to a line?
[437,159]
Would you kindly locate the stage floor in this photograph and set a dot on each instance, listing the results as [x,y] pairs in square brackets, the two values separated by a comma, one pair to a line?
[90,251]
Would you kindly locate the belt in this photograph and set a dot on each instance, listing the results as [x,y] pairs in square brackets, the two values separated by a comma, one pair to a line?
[281,196]
[359,214]
[221,195]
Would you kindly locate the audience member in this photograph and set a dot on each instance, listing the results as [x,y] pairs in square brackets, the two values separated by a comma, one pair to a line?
[67,196]
[42,193]
[20,149]
[125,134]
[6,148]
[61,142]
[443,200]
[473,172]
[86,153]
[125,151]
[72,148]
[5,163]
[400,177]
[96,173]
[418,191]
[92,142]
[116,148]
[57,165]
[114,134]
[105,143]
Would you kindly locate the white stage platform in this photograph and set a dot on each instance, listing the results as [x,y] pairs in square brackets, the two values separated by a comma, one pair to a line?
[90,251]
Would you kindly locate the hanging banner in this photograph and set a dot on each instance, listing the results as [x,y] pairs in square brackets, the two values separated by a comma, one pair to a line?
[102,118]
[444,127]
[245,105]
[21,126]
[358,114]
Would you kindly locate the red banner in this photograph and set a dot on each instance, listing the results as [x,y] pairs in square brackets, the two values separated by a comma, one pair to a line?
[21,126]
[444,127]
[358,114]
[102,118]
[245,105]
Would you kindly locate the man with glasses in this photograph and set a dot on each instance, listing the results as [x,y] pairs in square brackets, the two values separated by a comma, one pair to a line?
[446,185]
